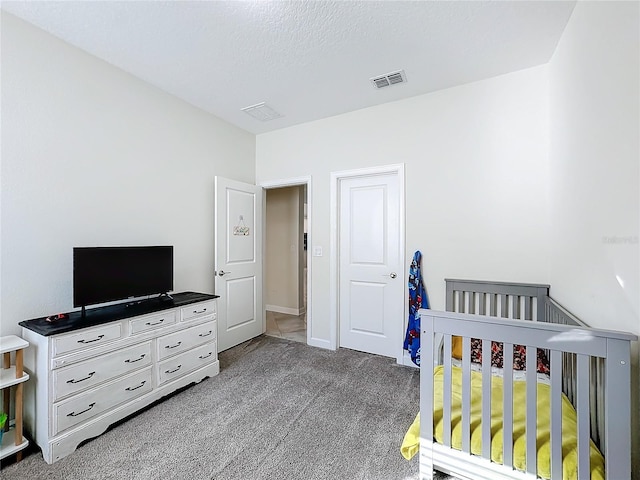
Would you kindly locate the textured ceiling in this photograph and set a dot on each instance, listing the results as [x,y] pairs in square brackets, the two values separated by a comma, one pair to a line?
[306,59]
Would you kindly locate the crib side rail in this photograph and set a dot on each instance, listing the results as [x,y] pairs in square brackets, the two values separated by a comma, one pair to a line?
[584,343]
[568,338]
[556,313]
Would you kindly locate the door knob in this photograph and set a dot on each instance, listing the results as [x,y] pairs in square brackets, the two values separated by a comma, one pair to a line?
[222,273]
[393,275]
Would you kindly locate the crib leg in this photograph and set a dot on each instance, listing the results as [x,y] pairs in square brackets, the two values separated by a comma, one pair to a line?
[426,463]
[426,473]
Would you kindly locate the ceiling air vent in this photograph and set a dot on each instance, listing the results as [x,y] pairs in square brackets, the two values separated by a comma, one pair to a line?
[389,79]
[262,112]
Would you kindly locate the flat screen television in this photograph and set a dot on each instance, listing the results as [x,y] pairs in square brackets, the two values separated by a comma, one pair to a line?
[106,274]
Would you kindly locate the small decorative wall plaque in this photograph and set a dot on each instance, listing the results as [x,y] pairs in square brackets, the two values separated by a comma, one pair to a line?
[241,229]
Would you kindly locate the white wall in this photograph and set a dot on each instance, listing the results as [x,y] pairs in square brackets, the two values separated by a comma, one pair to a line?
[476,161]
[94,156]
[595,127]
[595,157]
[283,249]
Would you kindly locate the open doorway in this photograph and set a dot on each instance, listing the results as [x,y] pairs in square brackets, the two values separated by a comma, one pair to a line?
[286,262]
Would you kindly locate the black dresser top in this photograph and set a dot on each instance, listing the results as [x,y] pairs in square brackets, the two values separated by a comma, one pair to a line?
[111,313]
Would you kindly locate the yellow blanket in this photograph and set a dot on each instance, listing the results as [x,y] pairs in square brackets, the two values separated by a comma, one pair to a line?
[410,445]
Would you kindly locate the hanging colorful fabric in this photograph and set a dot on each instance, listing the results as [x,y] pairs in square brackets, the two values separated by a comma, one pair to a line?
[417,300]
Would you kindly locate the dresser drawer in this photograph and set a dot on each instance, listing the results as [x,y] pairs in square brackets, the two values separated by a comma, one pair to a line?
[185,339]
[198,310]
[80,376]
[88,337]
[93,402]
[177,366]
[144,324]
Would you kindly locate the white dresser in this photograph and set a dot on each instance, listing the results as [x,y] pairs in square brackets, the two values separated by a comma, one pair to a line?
[87,378]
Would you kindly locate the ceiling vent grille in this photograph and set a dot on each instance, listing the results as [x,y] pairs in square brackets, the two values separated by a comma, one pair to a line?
[262,112]
[389,79]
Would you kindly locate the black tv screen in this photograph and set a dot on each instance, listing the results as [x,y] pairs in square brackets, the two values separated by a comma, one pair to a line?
[105,274]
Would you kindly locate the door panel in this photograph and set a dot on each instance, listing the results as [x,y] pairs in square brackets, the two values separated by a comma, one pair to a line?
[241,301]
[240,242]
[238,261]
[367,245]
[367,301]
[371,288]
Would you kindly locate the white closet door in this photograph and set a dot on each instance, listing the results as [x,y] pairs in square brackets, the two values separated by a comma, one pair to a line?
[371,279]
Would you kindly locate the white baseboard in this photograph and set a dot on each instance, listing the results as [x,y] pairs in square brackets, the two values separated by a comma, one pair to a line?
[406,360]
[287,310]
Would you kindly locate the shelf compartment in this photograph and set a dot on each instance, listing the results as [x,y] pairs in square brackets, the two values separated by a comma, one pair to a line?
[11,343]
[9,446]
[8,377]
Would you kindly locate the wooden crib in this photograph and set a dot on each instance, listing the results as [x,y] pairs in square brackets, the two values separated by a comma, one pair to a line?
[588,386]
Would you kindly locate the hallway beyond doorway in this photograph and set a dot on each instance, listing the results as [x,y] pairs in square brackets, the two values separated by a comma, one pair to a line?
[291,327]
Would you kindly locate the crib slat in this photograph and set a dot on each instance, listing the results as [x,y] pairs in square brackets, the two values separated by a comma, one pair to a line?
[547,313]
[446,399]
[515,307]
[527,308]
[532,409]
[482,303]
[507,408]
[571,379]
[486,399]
[466,394]
[504,303]
[492,305]
[582,409]
[537,312]
[472,303]
[593,399]
[461,302]
[556,414]
[600,395]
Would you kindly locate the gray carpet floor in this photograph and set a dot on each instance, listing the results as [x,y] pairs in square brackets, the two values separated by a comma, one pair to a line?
[277,410]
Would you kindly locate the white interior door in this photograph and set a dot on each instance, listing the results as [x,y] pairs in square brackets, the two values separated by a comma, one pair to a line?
[238,261]
[371,286]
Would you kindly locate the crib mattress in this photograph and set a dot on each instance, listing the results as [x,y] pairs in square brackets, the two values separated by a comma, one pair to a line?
[410,444]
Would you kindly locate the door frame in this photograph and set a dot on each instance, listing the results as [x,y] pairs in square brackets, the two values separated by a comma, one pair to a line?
[334,270]
[295,182]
